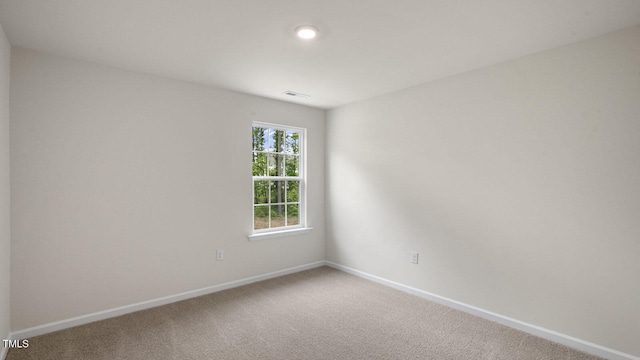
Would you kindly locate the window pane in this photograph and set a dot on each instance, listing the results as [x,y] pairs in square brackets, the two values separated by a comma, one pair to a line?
[277,192]
[276,165]
[280,165]
[275,140]
[293,189]
[259,164]
[277,215]
[259,138]
[292,215]
[292,142]
[278,139]
[261,217]
[269,134]
[260,192]
[271,164]
[292,165]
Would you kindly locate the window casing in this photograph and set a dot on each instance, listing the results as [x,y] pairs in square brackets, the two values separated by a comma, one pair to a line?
[278,178]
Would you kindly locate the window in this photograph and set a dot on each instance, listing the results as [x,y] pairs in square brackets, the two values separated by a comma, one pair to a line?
[278,178]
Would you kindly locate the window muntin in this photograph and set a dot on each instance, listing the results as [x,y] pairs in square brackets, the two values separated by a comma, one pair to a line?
[278,181]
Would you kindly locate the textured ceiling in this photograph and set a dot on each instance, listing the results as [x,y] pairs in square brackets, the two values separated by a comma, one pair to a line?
[365,47]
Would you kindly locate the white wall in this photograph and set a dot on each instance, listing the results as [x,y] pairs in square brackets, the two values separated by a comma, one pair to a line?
[5,232]
[518,184]
[125,184]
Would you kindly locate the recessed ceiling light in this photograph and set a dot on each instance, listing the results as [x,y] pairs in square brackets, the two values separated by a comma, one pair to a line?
[306,32]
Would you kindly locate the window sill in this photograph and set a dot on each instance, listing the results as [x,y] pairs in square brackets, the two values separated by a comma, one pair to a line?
[277,234]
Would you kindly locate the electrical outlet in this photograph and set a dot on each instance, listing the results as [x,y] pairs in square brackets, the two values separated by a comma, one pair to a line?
[219,254]
[414,257]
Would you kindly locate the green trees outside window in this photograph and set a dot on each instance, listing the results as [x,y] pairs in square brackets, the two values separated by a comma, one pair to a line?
[276,177]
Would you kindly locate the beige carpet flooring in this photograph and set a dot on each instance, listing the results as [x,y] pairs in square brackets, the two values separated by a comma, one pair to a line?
[316,314]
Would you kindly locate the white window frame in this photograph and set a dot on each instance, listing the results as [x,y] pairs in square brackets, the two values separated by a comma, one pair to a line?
[301,227]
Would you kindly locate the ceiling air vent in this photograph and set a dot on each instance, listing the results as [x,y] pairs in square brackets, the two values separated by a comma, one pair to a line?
[295,94]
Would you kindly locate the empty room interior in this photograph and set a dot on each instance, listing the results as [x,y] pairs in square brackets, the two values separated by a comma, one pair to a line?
[328,179]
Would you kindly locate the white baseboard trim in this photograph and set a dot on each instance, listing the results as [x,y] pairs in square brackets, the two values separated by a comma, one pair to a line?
[585,346]
[101,315]
[551,335]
